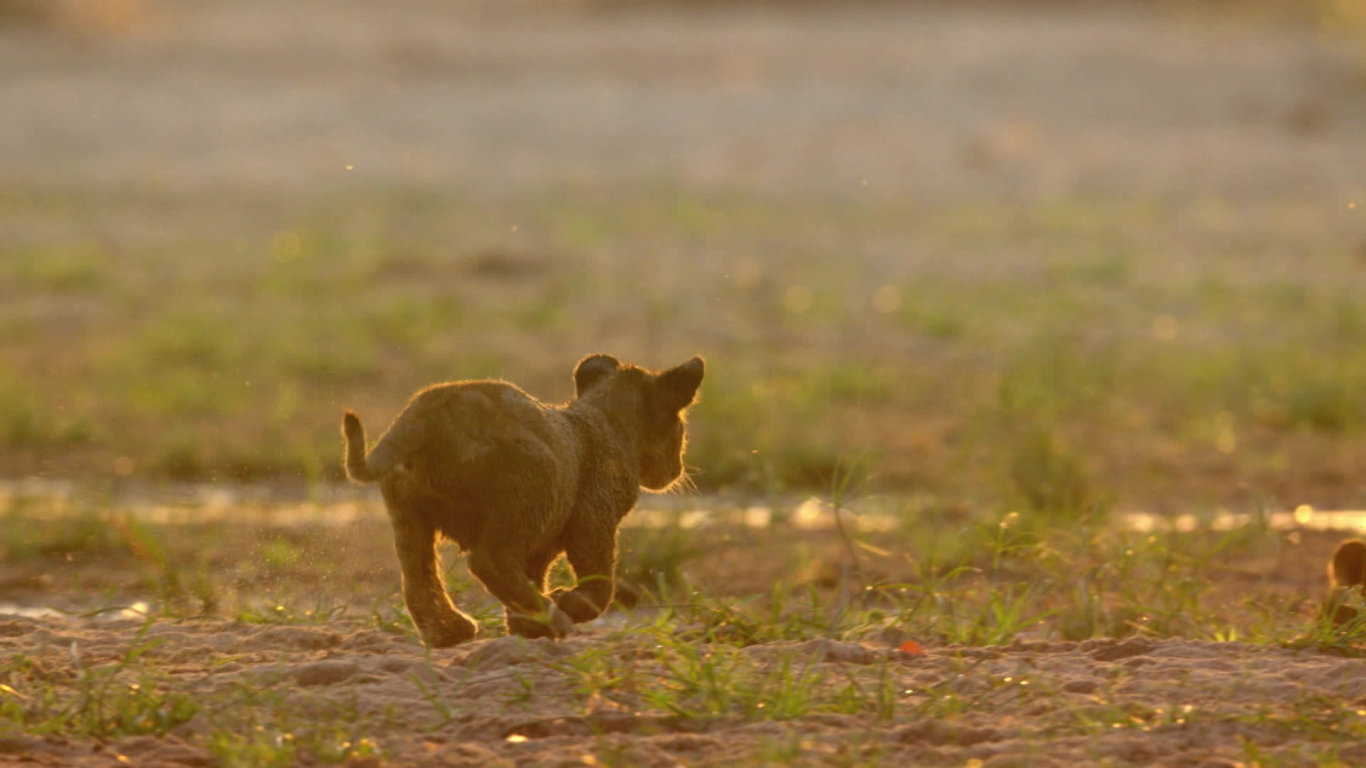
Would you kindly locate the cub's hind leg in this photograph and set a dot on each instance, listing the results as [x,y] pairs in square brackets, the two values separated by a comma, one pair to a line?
[516,578]
[436,618]
[592,554]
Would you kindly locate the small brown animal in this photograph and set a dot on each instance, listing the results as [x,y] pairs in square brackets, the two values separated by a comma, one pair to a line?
[1346,581]
[516,482]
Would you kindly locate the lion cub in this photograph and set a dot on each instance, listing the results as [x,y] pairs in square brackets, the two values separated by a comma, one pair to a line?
[515,483]
[1346,581]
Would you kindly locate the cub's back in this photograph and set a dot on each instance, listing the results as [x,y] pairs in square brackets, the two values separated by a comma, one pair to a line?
[466,420]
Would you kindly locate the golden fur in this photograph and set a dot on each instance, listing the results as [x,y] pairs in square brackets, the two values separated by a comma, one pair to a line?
[516,482]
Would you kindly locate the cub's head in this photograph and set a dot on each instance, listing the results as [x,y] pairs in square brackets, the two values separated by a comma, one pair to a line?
[651,405]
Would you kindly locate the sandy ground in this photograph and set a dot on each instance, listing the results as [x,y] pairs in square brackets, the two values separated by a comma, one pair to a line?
[1100,702]
[350,684]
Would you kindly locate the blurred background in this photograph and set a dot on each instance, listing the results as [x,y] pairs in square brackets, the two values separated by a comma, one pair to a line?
[1049,256]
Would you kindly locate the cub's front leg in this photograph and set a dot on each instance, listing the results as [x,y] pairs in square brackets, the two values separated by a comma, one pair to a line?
[528,613]
[593,556]
[553,623]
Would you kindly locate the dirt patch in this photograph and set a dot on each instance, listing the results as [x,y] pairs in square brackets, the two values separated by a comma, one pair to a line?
[764,652]
[353,693]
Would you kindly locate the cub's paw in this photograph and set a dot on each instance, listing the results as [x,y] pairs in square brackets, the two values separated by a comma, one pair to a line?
[554,623]
[561,622]
[579,606]
[448,632]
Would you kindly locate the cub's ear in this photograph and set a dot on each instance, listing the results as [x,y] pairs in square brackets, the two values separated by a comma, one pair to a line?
[679,385]
[591,370]
[1348,568]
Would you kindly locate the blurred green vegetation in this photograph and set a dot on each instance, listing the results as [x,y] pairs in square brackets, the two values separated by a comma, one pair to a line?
[1073,353]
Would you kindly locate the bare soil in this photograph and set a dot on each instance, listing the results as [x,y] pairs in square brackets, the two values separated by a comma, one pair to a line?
[514,702]
[301,654]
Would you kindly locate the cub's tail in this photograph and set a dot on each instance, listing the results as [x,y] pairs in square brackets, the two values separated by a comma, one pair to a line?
[404,437]
[357,468]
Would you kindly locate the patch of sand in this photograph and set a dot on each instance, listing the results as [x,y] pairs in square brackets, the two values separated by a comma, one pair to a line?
[510,701]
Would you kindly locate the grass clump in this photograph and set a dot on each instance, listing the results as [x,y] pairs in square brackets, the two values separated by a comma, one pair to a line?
[260,725]
[86,535]
[127,697]
[1048,477]
[27,422]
